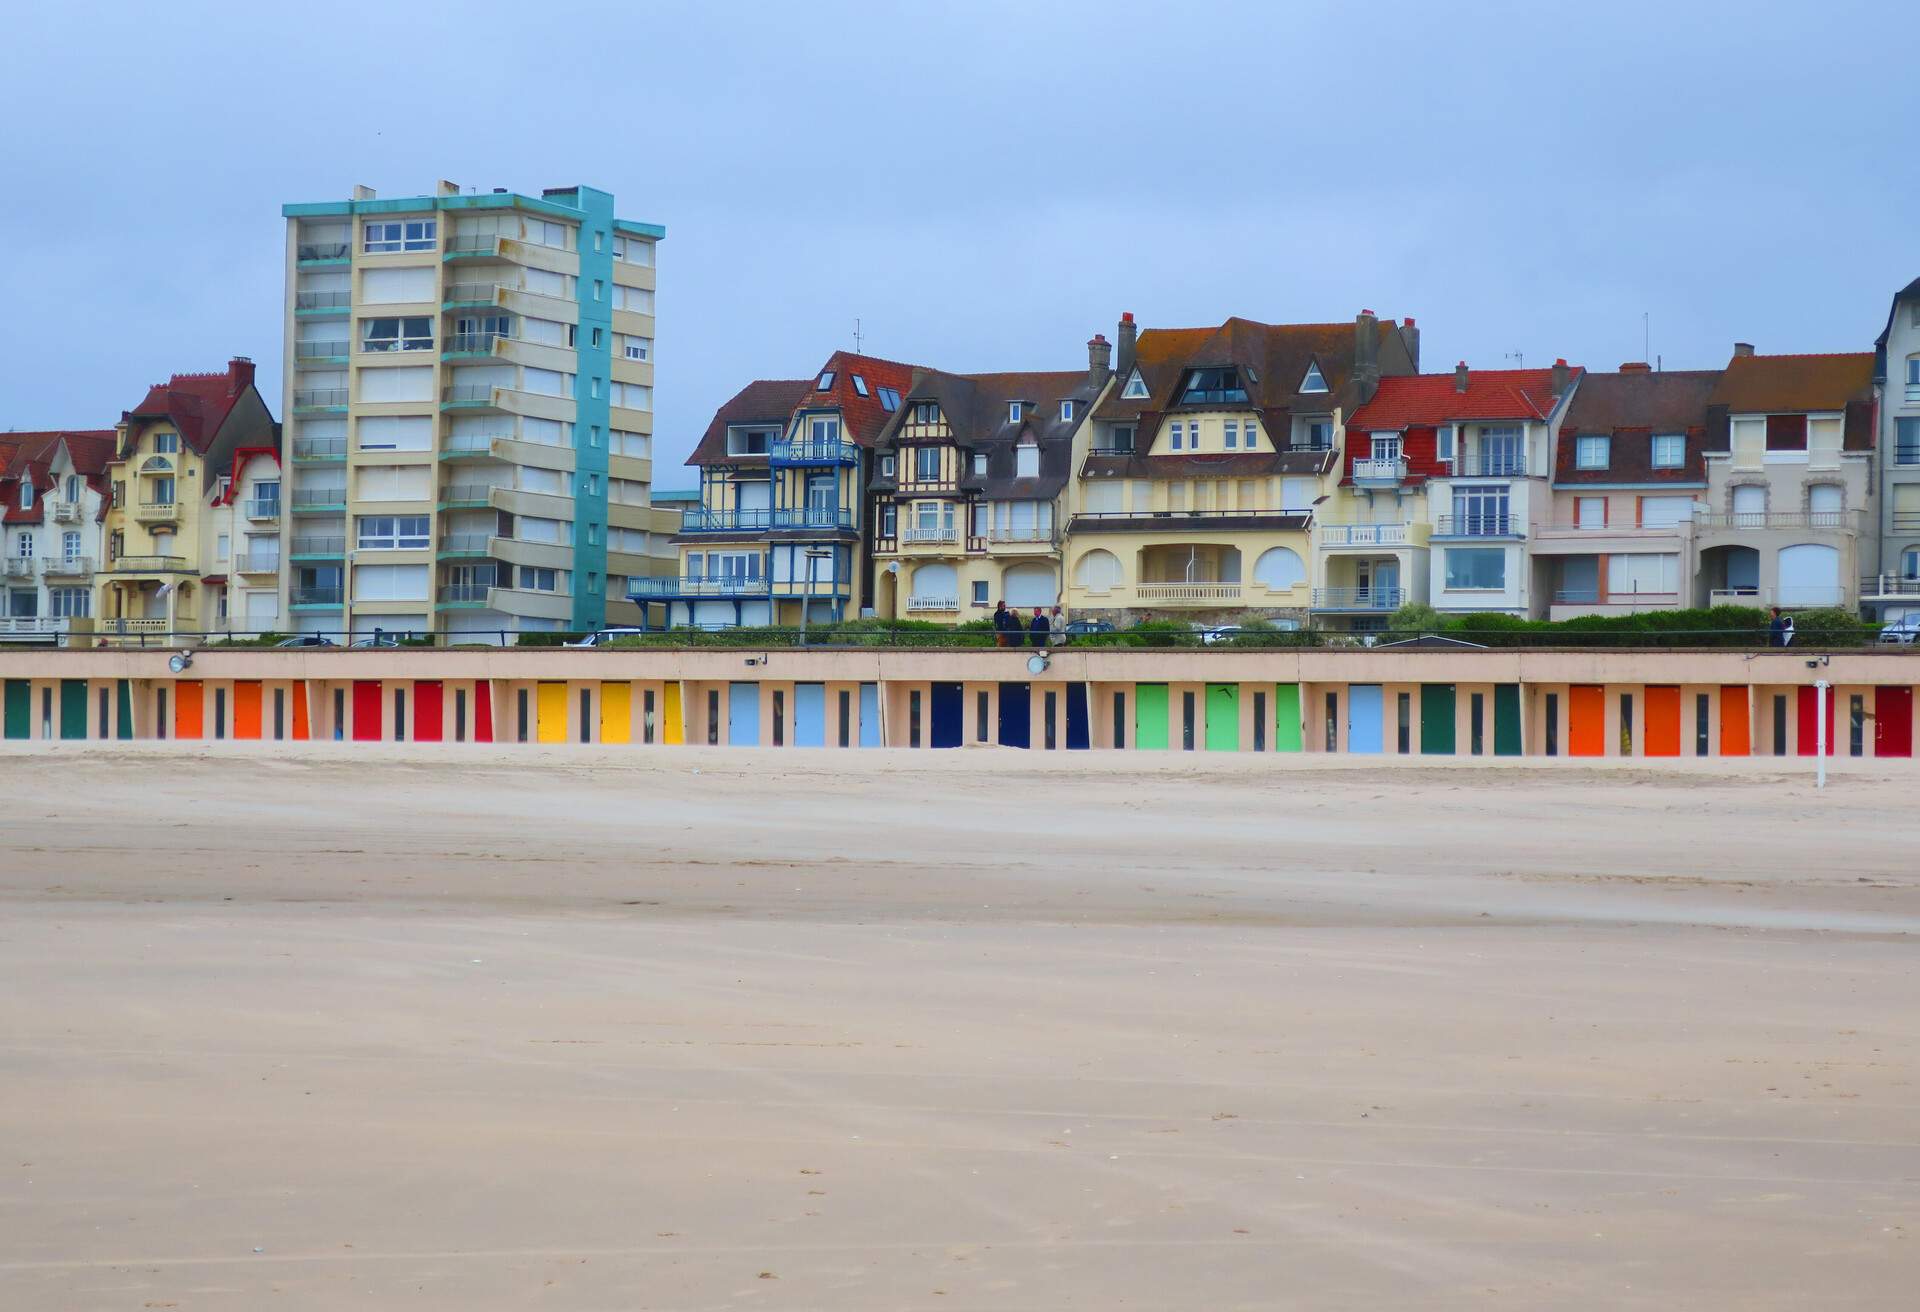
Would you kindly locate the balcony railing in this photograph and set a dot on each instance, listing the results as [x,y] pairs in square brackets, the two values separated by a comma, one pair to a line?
[1799,595]
[1906,453]
[320,498]
[64,512]
[1489,464]
[1762,519]
[473,243]
[330,594]
[67,566]
[475,493]
[1035,534]
[1489,525]
[839,519]
[155,512]
[1889,585]
[474,293]
[1359,598]
[1365,535]
[1381,469]
[319,448]
[464,544]
[1574,529]
[320,545]
[261,508]
[1595,597]
[920,603]
[17,567]
[387,345]
[461,594]
[1187,591]
[697,586]
[306,398]
[808,450]
[258,562]
[150,565]
[23,626]
[467,393]
[474,343]
[323,250]
[331,349]
[322,300]
[912,535]
[725,521]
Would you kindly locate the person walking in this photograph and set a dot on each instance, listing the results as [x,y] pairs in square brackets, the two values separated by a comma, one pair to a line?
[1776,629]
[1038,630]
[1004,622]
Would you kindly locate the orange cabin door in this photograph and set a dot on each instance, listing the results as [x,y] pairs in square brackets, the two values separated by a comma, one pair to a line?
[1586,721]
[298,692]
[1663,722]
[188,699]
[1736,727]
[246,709]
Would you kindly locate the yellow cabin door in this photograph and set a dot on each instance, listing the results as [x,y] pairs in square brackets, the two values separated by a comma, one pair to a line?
[551,713]
[675,731]
[616,712]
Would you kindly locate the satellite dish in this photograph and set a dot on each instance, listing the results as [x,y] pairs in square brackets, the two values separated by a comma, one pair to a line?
[179,662]
[1037,663]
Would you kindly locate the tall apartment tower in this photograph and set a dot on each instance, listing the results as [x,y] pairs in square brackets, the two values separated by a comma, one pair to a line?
[469,414]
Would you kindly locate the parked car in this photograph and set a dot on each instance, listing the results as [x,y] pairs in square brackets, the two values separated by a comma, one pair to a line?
[378,640]
[307,640]
[605,637]
[1216,633]
[1081,628]
[1904,631]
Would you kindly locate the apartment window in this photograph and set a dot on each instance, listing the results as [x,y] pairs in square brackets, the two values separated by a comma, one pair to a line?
[826,429]
[23,545]
[1213,387]
[1026,461]
[1476,569]
[166,443]
[980,464]
[222,547]
[889,520]
[410,334]
[886,466]
[536,579]
[748,441]
[926,412]
[1443,443]
[593,535]
[1385,446]
[926,464]
[1481,510]
[1906,441]
[978,588]
[1786,432]
[1503,450]
[639,300]
[1176,435]
[1591,452]
[599,289]
[542,233]
[71,603]
[1122,437]
[593,485]
[26,495]
[405,235]
[1066,411]
[1232,439]
[391,532]
[1315,381]
[593,388]
[1669,450]
[70,545]
[1913,372]
[636,348]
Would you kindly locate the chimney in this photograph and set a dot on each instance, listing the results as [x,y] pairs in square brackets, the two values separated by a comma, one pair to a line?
[1460,377]
[1099,360]
[1366,352]
[1412,336]
[1561,375]
[1636,367]
[445,188]
[1124,364]
[1741,350]
[363,193]
[239,375]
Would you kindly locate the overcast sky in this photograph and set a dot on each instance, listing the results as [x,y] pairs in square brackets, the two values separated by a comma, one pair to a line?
[983,186]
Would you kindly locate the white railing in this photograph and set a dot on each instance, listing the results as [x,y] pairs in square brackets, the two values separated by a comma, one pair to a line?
[17,567]
[1020,535]
[1388,469]
[70,566]
[258,562]
[140,624]
[1889,585]
[1735,519]
[32,625]
[1187,591]
[64,512]
[933,603]
[930,535]
[1359,598]
[1363,535]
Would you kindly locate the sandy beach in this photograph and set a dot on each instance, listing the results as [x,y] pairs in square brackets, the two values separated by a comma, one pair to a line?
[566,1028]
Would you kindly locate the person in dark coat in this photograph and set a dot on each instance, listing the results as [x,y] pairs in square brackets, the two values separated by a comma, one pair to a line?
[1038,630]
[1777,629]
[1004,623]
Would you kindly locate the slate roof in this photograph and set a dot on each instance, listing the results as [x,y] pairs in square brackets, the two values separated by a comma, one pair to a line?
[976,408]
[1631,407]
[1796,384]
[763,401]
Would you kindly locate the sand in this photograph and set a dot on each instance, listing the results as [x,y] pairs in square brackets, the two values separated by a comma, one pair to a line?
[575,1028]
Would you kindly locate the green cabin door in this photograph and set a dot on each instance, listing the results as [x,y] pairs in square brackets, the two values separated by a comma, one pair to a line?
[1286,717]
[1436,719]
[1150,716]
[19,708]
[73,708]
[1223,717]
[1506,719]
[123,720]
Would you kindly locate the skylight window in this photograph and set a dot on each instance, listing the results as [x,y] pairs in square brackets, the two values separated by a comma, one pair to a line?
[859,384]
[889,400]
[1136,388]
[826,382]
[1313,382]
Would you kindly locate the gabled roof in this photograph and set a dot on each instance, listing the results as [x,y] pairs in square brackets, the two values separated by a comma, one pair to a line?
[862,418]
[1632,406]
[1912,289]
[1491,394]
[764,401]
[196,404]
[1777,384]
[976,408]
[31,455]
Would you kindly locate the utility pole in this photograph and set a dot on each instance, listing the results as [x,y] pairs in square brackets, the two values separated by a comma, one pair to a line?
[1820,688]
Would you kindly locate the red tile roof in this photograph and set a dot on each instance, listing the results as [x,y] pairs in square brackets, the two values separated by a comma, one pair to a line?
[197,404]
[778,400]
[1435,399]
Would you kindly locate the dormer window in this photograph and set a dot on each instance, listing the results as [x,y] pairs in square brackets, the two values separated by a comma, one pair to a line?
[1013,412]
[1212,387]
[166,442]
[826,382]
[1026,461]
[1136,388]
[1314,381]
[980,464]
[859,385]
[926,412]
[748,441]
[26,495]
[886,466]
[1066,411]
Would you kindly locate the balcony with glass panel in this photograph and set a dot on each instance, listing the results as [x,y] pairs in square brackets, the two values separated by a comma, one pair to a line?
[329,351]
[319,450]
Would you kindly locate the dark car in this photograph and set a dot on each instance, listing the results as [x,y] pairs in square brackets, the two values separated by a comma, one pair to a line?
[307,640]
[1081,628]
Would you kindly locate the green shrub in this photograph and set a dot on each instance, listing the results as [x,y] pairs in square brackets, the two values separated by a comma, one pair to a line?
[1416,617]
[1831,628]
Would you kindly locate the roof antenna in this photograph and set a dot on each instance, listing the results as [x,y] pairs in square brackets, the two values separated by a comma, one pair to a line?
[1519,360]
[1646,337]
[856,337]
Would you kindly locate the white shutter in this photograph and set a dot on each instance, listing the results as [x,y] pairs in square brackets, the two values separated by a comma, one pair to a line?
[409,384]
[1102,497]
[1665,512]
[397,286]
[395,433]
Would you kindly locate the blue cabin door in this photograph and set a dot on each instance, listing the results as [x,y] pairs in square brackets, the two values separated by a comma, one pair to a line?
[1365,720]
[809,715]
[1016,715]
[1078,737]
[869,715]
[948,712]
[743,715]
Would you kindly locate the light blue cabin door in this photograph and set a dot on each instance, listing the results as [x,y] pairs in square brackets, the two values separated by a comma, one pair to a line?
[869,715]
[809,715]
[743,715]
[1365,718]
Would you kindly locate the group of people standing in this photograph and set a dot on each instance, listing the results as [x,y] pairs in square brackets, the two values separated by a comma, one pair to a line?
[1009,629]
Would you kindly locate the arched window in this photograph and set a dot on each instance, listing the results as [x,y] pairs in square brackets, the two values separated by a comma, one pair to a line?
[1810,575]
[157,465]
[1280,568]
[1097,571]
[935,587]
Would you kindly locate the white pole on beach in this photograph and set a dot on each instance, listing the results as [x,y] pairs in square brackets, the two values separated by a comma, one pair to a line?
[1820,732]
